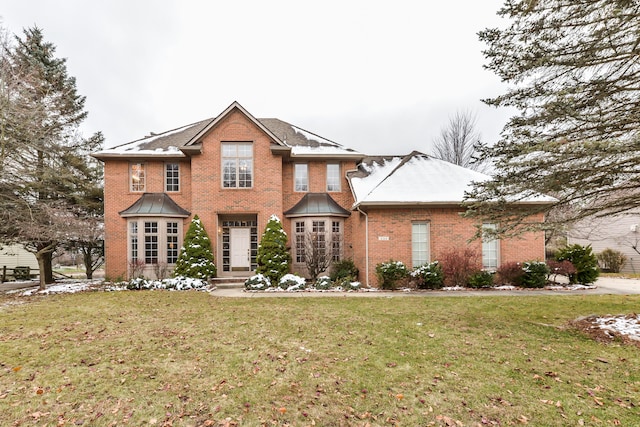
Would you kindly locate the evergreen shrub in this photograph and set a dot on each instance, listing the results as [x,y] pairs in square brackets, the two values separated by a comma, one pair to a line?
[292,282]
[273,258]
[323,283]
[428,276]
[257,282]
[196,257]
[345,268]
[535,274]
[583,260]
[481,279]
[390,272]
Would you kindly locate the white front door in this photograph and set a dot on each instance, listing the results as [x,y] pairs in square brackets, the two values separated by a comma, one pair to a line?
[240,249]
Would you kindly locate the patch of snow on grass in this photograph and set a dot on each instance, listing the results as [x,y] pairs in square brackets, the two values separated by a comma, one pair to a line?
[624,325]
[61,288]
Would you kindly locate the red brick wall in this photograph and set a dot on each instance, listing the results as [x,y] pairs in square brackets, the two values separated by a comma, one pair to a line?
[447,230]
[318,184]
[118,197]
[211,199]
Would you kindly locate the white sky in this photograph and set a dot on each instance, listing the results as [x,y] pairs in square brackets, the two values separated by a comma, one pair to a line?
[381,77]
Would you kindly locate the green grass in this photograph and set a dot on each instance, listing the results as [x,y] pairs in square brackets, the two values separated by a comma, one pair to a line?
[187,358]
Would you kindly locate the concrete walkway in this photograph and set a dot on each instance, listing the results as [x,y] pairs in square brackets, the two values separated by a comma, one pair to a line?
[604,286]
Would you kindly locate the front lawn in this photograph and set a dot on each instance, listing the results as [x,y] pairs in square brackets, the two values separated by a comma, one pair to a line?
[187,358]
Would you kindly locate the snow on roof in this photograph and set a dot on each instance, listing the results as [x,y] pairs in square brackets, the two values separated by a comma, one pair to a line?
[416,178]
[162,144]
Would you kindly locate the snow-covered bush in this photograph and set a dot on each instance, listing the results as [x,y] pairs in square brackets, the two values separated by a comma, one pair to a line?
[257,282]
[292,282]
[428,276]
[390,272]
[196,257]
[273,257]
[323,283]
[179,283]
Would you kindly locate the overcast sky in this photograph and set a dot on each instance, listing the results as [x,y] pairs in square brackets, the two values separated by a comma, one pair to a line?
[381,77]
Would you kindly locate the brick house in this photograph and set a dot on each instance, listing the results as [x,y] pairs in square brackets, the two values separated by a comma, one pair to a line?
[234,171]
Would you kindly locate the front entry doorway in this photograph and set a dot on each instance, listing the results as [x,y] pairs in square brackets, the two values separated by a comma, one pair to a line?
[240,249]
[239,244]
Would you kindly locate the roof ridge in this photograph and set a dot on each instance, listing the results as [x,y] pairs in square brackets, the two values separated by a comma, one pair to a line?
[404,161]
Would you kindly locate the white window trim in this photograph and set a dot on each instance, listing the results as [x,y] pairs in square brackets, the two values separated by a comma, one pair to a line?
[295,177]
[495,242]
[418,262]
[339,183]
[144,177]
[166,184]
[328,233]
[237,158]
[162,238]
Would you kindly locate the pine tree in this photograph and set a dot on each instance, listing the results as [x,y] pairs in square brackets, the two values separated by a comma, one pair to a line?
[196,257]
[45,174]
[273,257]
[573,69]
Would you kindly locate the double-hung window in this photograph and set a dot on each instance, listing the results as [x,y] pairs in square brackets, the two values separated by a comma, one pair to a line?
[237,165]
[333,177]
[137,178]
[419,243]
[490,248]
[301,177]
[172,177]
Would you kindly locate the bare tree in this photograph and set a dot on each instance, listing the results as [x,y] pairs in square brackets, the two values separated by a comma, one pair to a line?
[458,140]
[317,254]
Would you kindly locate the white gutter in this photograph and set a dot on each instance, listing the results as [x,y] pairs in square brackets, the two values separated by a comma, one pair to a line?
[366,245]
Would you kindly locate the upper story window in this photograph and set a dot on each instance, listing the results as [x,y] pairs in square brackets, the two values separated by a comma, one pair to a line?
[301,177]
[237,165]
[333,177]
[172,176]
[137,177]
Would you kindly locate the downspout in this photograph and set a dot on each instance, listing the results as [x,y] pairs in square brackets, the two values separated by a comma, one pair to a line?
[366,244]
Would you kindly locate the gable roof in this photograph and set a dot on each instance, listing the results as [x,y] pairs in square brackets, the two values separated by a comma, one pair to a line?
[180,142]
[415,179]
[305,144]
[155,204]
[316,204]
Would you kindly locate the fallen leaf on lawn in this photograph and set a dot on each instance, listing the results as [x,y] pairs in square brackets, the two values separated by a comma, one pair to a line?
[282,410]
[17,368]
[523,420]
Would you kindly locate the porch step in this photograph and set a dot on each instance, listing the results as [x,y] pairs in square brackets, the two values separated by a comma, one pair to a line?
[229,282]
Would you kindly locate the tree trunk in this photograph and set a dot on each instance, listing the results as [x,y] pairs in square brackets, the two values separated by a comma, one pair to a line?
[88,263]
[48,267]
[45,265]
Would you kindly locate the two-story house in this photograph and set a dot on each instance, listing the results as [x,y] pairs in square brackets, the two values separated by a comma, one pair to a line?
[234,171]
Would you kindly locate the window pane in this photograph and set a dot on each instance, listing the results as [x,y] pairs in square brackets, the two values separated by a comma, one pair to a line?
[229,173]
[420,243]
[172,176]
[333,177]
[133,235]
[489,250]
[237,165]
[301,179]
[137,177]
